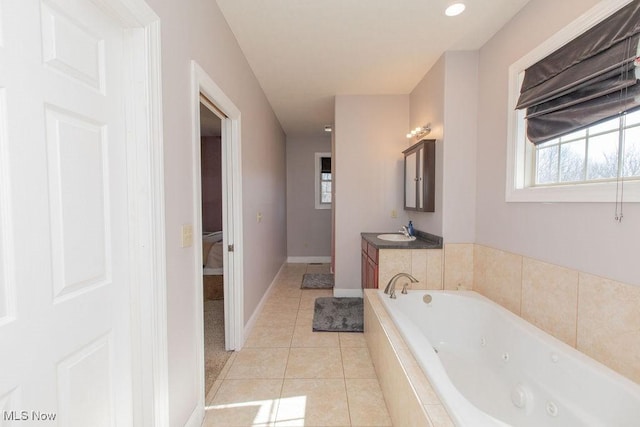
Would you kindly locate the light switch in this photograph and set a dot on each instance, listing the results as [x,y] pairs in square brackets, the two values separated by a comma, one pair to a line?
[259,217]
[187,235]
[394,214]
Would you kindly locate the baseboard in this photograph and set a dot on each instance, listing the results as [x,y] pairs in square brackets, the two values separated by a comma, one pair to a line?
[309,259]
[347,293]
[248,327]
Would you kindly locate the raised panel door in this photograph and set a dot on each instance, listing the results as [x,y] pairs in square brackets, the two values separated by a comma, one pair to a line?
[64,267]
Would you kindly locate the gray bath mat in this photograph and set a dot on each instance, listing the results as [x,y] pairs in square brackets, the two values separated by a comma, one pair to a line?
[332,314]
[317,281]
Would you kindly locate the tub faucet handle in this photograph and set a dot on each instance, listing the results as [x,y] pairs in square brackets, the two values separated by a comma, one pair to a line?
[404,288]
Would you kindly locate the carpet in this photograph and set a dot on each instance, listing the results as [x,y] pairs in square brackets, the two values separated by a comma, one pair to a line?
[331,314]
[215,355]
[317,281]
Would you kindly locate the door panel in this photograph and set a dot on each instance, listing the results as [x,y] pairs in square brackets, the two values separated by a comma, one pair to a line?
[71,49]
[86,364]
[79,200]
[7,284]
[67,331]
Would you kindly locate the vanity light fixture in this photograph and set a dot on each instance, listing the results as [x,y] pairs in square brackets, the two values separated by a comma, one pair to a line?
[419,132]
[455,9]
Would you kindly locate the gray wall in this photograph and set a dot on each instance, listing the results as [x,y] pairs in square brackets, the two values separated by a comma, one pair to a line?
[308,228]
[426,105]
[196,30]
[369,140]
[447,98]
[460,136]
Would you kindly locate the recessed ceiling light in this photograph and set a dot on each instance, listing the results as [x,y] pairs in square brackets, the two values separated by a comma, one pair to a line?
[328,128]
[455,9]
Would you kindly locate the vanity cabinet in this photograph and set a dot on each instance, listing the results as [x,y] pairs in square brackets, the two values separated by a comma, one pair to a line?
[382,259]
[369,265]
[419,176]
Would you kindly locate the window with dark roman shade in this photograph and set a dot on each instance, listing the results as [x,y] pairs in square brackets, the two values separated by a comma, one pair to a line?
[592,78]
[325,165]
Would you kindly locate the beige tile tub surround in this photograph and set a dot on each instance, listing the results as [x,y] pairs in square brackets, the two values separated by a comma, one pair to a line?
[599,317]
[609,323]
[419,268]
[410,398]
[550,298]
[435,269]
[391,262]
[498,276]
[424,264]
[458,266]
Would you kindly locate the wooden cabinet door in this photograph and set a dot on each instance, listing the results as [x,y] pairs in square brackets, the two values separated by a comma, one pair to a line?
[410,181]
[364,269]
[372,274]
[419,176]
[369,266]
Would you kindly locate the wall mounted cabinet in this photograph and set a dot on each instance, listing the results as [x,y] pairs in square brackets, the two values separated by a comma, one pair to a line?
[419,176]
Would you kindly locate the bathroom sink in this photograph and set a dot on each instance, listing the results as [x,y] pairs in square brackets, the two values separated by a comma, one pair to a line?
[396,237]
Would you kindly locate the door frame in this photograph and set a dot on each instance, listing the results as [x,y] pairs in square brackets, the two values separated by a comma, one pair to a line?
[145,182]
[232,228]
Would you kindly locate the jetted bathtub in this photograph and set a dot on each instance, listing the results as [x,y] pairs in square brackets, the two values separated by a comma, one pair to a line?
[489,367]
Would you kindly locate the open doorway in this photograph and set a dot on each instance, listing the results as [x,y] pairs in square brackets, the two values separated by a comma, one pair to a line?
[205,91]
[215,353]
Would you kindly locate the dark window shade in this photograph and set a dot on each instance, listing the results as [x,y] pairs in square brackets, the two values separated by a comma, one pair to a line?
[325,165]
[588,80]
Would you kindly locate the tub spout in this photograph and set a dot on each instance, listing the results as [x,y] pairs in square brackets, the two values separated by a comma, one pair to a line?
[391,286]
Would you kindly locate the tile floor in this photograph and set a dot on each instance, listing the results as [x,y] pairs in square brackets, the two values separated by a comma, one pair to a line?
[288,375]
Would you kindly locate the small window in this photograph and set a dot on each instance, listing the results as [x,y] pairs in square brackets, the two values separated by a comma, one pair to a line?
[323,180]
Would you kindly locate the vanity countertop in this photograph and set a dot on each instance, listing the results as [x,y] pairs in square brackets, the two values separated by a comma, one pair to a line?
[423,241]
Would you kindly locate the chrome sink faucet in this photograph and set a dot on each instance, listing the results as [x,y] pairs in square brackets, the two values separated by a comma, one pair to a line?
[391,286]
[404,230]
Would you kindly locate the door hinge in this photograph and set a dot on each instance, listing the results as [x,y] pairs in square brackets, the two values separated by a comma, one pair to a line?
[230,248]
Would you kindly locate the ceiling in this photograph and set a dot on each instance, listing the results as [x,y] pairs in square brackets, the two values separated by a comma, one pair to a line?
[304,52]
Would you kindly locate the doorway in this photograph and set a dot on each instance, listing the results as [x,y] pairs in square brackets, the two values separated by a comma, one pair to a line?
[216,103]
[215,353]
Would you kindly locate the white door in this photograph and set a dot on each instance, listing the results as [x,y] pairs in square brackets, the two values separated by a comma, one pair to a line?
[65,344]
